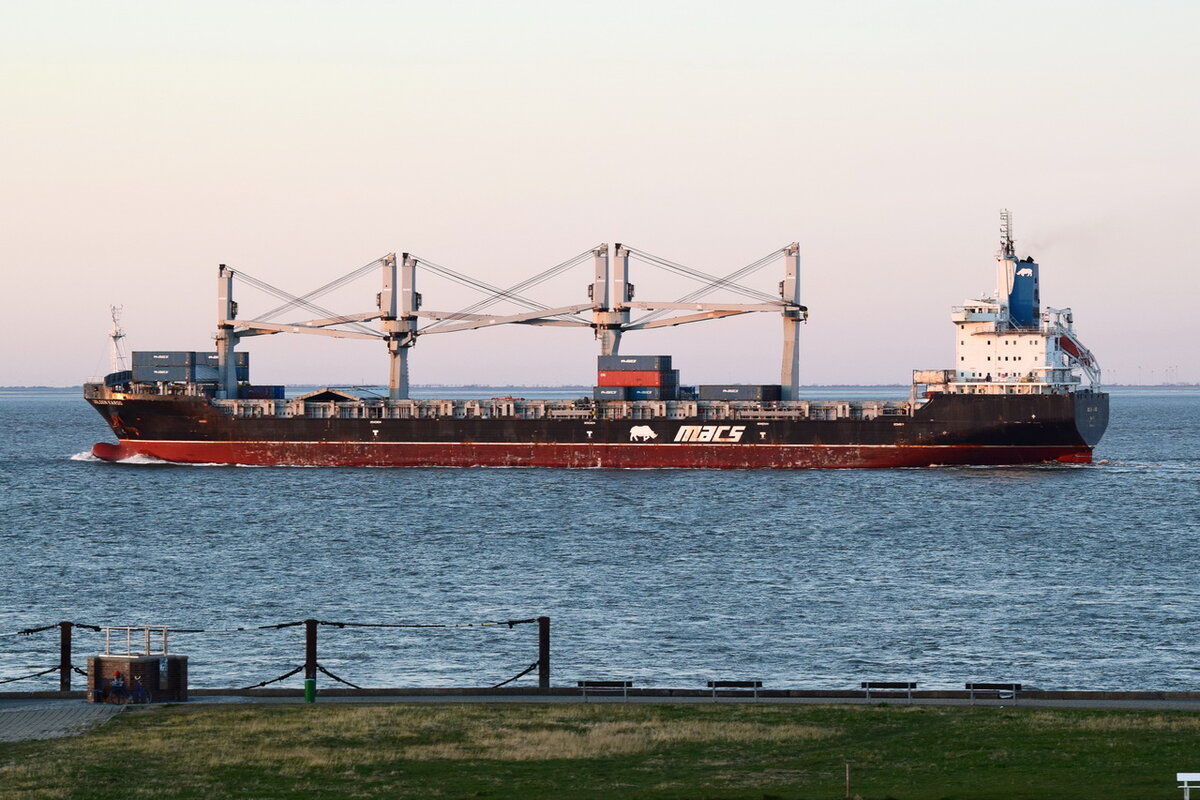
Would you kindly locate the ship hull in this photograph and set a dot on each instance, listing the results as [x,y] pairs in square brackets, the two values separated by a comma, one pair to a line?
[350,454]
[948,430]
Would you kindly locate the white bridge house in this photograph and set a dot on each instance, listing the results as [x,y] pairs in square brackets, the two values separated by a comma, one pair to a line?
[1006,343]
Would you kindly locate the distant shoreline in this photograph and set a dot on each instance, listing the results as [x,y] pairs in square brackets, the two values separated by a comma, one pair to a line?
[582,388]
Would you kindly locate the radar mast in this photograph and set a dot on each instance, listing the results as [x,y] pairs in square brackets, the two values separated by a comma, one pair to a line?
[116,349]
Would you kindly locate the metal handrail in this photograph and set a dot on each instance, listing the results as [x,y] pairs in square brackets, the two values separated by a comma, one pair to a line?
[148,633]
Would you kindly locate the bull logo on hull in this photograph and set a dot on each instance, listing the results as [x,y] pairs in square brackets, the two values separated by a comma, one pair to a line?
[642,433]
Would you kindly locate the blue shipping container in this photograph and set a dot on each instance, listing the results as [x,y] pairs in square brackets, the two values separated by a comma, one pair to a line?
[610,392]
[264,392]
[207,374]
[183,358]
[241,359]
[154,374]
[652,392]
[163,358]
[741,391]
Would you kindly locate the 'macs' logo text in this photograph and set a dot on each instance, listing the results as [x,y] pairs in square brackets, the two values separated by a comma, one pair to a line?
[710,433]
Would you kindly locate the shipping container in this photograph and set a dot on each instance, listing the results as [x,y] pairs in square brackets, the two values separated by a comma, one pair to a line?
[241,359]
[610,392]
[637,378]
[118,378]
[264,392]
[741,391]
[183,358]
[163,358]
[208,374]
[652,392]
[155,374]
[639,363]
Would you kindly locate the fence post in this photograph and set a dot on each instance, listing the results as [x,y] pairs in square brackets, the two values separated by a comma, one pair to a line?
[64,656]
[310,660]
[543,652]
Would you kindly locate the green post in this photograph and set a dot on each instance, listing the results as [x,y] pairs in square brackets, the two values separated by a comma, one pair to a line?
[310,660]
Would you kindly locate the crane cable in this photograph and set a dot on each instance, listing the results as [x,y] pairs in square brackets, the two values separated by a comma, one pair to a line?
[266,287]
[715,283]
[323,290]
[528,283]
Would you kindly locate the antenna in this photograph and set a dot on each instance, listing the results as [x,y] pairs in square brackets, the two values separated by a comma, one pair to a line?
[116,354]
[1006,239]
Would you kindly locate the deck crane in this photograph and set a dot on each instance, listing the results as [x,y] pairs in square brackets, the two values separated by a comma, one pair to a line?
[610,302]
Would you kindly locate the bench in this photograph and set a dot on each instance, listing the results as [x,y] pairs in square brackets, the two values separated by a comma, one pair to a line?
[1187,782]
[595,688]
[994,691]
[754,686]
[890,687]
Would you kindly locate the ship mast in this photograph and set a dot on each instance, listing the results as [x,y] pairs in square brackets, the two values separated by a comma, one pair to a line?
[116,354]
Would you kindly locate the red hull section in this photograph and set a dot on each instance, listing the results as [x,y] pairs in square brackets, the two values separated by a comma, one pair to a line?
[643,456]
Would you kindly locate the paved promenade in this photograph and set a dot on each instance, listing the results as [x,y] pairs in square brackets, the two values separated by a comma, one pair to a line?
[50,719]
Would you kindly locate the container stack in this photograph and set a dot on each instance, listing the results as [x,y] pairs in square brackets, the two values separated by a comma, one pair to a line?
[183,366]
[207,364]
[636,378]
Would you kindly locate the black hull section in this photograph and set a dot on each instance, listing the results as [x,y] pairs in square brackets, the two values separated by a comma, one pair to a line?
[949,429]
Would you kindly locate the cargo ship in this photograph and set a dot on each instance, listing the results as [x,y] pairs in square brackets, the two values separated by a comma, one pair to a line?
[1014,395]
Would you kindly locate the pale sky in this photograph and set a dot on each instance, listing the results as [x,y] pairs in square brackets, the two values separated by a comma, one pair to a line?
[143,143]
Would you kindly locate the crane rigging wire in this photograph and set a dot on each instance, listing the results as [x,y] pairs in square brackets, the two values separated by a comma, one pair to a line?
[323,290]
[479,285]
[713,282]
[528,283]
[513,294]
[717,283]
[299,302]
[493,292]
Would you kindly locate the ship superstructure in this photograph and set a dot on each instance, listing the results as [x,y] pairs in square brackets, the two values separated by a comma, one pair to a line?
[1013,397]
[1007,343]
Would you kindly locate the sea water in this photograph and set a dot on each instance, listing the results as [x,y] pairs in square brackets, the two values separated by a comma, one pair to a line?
[1061,577]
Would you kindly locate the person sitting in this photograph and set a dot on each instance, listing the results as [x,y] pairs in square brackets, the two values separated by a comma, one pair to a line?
[116,689]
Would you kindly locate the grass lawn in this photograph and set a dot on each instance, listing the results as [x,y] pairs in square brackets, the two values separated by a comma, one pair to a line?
[611,751]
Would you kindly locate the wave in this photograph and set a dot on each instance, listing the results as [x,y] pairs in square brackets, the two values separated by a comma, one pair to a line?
[1119,465]
[138,459]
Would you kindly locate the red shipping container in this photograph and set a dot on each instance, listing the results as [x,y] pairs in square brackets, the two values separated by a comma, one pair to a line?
[632,377]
